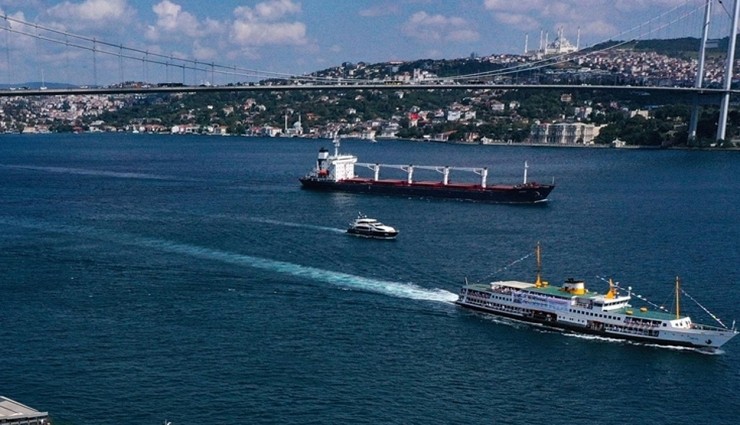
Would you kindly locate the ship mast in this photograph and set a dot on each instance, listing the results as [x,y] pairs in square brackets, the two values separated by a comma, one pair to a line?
[538,282]
[678,298]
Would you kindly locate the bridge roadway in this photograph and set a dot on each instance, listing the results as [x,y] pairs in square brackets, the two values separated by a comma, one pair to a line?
[703,92]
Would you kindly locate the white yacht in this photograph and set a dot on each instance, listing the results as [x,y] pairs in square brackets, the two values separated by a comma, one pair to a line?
[371,228]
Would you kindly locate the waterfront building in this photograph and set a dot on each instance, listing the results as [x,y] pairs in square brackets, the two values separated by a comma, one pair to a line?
[564,133]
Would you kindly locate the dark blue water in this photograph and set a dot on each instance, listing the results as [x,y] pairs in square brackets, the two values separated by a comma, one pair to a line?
[147,278]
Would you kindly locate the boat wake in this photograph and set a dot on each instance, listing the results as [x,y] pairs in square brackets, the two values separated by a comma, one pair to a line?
[345,280]
[396,289]
[643,344]
[290,224]
[99,173]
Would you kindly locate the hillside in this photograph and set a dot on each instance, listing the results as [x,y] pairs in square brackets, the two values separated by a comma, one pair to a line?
[683,48]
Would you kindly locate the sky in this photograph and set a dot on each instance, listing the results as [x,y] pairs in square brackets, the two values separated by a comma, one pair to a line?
[302,36]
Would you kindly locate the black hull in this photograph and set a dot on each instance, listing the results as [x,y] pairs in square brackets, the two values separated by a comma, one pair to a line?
[563,327]
[521,194]
[374,235]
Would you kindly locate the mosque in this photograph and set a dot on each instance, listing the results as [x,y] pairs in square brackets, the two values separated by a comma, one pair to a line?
[559,46]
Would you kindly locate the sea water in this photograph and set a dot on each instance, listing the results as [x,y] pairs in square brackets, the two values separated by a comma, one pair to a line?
[190,279]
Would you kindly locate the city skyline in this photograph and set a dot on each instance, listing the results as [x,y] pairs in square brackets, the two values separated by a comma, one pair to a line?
[296,37]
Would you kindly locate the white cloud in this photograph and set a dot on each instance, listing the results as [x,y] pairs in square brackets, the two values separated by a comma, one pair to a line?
[265,24]
[518,6]
[271,10]
[276,9]
[518,20]
[379,10]
[171,19]
[463,35]
[633,5]
[20,43]
[598,28]
[595,18]
[205,52]
[574,11]
[261,33]
[433,28]
[93,13]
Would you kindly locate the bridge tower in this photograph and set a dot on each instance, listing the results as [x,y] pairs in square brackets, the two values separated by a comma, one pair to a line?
[693,123]
[725,105]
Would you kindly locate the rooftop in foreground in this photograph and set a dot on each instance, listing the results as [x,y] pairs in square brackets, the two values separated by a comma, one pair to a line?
[12,412]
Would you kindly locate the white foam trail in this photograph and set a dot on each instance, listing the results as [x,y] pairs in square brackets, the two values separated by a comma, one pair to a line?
[290,224]
[403,290]
[396,289]
[643,344]
[101,173]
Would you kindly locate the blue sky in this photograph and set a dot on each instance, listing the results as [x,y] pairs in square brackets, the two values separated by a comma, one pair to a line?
[299,36]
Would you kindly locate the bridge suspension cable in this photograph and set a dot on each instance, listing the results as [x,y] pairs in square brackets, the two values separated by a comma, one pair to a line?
[124,52]
[146,57]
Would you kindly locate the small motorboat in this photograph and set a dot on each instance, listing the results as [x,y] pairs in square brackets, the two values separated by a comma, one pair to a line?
[371,228]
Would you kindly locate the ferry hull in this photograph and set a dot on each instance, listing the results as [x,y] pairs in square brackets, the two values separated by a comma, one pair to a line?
[709,340]
[530,193]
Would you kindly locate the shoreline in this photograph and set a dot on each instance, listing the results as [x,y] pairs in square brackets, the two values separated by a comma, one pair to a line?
[523,144]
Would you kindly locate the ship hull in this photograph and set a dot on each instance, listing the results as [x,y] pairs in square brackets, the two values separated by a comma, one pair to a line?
[705,341]
[530,193]
[372,234]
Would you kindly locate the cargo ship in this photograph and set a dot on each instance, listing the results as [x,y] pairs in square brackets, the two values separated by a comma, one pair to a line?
[573,308]
[337,173]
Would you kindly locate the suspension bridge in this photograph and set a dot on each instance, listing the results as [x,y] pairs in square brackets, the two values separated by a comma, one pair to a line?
[117,62]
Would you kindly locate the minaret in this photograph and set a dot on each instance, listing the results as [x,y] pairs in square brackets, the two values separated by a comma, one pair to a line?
[578,39]
[560,40]
[526,43]
[542,34]
[547,40]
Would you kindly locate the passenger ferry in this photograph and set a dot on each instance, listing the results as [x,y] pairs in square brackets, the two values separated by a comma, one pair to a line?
[571,307]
